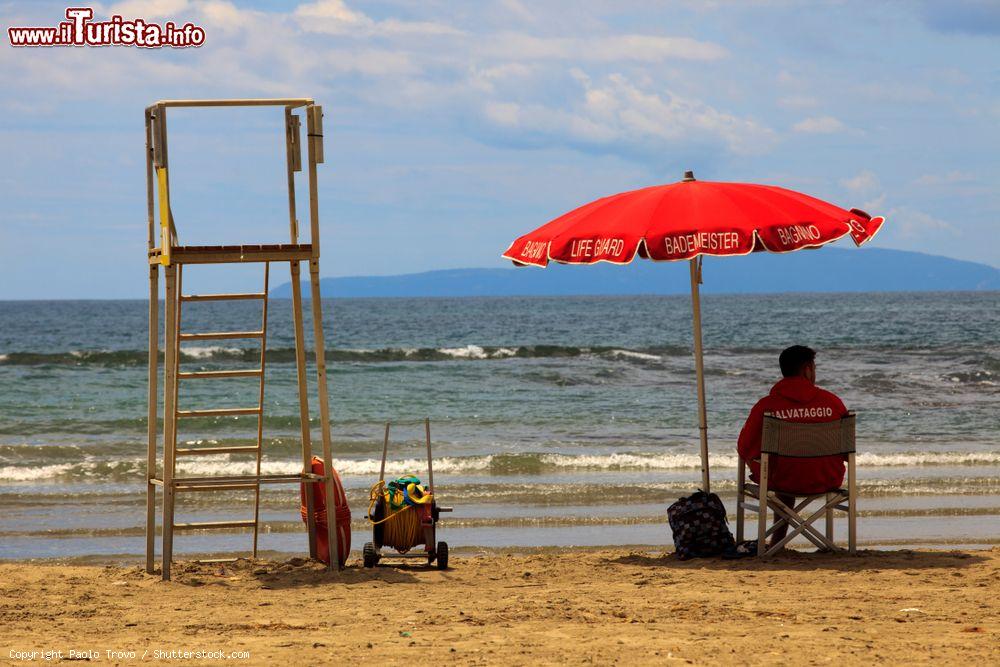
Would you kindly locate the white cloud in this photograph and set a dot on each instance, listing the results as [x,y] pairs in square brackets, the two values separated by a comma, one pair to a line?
[334,17]
[607,48]
[147,9]
[487,78]
[371,62]
[518,10]
[874,206]
[618,115]
[949,178]
[507,114]
[786,78]
[911,223]
[894,92]
[863,183]
[652,48]
[819,125]
[223,16]
[798,101]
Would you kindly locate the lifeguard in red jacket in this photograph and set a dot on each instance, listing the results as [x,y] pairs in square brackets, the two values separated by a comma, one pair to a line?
[794,398]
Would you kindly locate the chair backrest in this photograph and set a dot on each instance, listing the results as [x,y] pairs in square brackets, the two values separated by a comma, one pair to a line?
[794,439]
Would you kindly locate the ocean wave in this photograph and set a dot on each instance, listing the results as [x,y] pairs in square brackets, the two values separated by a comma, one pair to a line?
[137,425]
[983,377]
[490,464]
[870,460]
[469,352]
[632,354]
[986,366]
[33,473]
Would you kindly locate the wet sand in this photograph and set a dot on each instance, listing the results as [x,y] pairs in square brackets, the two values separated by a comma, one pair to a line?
[600,606]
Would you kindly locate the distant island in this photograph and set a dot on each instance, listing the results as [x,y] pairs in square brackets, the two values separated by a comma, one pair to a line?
[822,270]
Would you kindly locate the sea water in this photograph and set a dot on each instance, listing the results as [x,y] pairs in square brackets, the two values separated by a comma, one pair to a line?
[555,421]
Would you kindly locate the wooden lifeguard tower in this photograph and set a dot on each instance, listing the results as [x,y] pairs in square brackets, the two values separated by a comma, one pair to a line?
[165,252]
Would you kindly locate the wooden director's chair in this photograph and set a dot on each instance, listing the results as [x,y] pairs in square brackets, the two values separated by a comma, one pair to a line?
[792,439]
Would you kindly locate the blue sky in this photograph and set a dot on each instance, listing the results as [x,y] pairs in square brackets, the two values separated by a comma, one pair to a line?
[452,127]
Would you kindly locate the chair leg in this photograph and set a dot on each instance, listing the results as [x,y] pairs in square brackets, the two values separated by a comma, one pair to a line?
[739,502]
[762,503]
[800,526]
[852,506]
[829,518]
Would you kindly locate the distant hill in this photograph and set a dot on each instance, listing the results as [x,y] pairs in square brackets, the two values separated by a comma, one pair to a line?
[823,270]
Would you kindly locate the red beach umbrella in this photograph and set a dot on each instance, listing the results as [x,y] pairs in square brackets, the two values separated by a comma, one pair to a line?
[686,221]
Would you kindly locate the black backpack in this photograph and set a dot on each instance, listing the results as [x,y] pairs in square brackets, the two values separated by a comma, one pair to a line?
[700,526]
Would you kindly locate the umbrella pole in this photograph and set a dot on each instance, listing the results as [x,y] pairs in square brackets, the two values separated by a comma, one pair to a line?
[700,370]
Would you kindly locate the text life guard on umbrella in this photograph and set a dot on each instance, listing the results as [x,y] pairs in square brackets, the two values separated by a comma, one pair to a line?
[596,247]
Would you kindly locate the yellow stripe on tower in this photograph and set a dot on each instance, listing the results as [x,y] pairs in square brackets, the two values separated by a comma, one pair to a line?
[161,176]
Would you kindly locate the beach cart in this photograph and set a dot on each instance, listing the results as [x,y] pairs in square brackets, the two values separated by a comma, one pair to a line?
[404,514]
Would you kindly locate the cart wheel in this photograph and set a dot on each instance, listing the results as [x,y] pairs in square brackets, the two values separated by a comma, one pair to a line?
[370,555]
[442,556]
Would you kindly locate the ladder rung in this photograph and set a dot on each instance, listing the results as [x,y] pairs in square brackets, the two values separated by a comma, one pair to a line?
[223,297]
[218,412]
[217,487]
[221,480]
[198,451]
[205,525]
[193,375]
[220,335]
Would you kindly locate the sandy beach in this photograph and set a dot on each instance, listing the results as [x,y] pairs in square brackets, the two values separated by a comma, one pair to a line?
[601,606]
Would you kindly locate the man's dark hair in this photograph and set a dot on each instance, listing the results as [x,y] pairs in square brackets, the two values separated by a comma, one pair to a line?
[794,358]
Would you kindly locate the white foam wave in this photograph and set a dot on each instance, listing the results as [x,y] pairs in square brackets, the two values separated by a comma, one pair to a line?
[631,354]
[637,461]
[3,357]
[413,466]
[25,474]
[467,352]
[477,352]
[682,461]
[208,351]
[223,464]
[870,460]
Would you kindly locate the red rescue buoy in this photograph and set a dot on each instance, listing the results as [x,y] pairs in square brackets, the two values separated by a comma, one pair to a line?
[342,512]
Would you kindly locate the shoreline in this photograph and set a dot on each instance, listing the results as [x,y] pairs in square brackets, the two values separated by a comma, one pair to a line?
[602,605]
[464,552]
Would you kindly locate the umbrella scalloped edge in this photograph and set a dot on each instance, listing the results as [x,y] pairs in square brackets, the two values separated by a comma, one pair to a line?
[546,244]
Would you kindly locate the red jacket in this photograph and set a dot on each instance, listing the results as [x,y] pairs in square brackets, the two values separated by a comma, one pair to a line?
[799,400]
